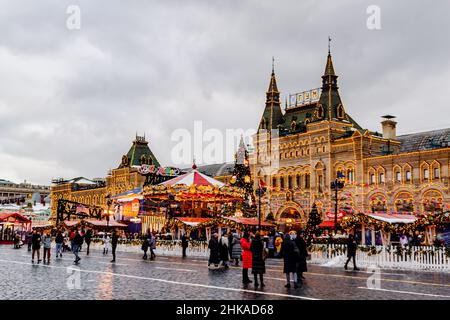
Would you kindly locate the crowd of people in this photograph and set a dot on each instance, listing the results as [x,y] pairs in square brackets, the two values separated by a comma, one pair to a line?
[253,250]
[70,240]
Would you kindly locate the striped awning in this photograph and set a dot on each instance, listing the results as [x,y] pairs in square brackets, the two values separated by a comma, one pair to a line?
[193,178]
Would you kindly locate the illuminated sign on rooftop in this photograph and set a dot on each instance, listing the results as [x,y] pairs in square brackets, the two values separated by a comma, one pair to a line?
[303,98]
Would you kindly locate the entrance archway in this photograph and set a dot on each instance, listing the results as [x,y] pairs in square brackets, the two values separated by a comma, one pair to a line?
[291,217]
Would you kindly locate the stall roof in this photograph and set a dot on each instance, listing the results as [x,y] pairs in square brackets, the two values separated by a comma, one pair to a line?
[15,215]
[394,218]
[249,221]
[193,222]
[104,223]
[129,195]
[327,224]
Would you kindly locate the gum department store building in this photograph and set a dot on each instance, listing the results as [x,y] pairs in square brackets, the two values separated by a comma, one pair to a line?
[306,146]
[317,140]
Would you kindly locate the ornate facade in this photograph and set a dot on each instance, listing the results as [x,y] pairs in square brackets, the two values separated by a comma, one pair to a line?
[125,177]
[301,151]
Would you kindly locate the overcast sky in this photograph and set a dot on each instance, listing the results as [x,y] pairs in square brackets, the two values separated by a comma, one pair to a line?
[71,101]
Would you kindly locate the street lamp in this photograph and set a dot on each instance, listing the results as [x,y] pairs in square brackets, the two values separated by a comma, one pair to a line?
[260,192]
[336,185]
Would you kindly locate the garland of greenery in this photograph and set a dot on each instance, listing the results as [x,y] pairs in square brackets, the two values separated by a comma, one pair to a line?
[429,219]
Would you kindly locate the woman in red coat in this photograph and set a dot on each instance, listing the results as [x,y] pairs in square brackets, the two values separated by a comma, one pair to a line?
[246,257]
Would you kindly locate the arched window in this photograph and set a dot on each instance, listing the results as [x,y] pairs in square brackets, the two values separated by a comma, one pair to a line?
[436,168]
[408,175]
[372,178]
[299,180]
[290,182]
[320,111]
[350,175]
[281,182]
[274,181]
[307,180]
[340,111]
[381,177]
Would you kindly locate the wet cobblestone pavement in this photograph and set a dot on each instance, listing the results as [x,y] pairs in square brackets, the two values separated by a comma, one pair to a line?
[95,277]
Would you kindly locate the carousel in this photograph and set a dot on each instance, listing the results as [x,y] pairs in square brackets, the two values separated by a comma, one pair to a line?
[193,195]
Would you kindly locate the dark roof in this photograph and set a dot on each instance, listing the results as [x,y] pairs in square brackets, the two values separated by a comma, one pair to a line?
[138,149]
[421,141]
[215,170]
[3,181]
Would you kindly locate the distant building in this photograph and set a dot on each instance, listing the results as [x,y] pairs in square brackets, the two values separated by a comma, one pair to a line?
[94,192]
[11,192]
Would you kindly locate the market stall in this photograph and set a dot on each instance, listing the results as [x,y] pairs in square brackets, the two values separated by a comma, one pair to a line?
[12,223]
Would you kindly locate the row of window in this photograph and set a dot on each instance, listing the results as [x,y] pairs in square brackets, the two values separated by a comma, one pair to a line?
[407,176]
[301,181]
[302,152]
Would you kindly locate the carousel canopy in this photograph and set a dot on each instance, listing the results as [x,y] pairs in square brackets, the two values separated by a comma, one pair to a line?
[193,178]
[394,218]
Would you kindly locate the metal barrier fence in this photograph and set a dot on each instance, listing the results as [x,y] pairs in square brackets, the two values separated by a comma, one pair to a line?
[394,257]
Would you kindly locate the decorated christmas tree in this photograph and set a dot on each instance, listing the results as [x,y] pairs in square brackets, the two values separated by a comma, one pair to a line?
[314,220]
[241,174]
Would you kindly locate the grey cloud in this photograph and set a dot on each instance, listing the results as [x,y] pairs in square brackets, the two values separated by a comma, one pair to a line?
[72,101]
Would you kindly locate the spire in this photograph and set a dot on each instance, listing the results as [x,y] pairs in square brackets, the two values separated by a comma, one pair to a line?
[273,88]
[272,116]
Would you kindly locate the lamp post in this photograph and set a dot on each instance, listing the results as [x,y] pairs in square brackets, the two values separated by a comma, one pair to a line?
[336,185]
[260,192]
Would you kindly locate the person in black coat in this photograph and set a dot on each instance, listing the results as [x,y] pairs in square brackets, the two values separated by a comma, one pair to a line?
[258,264]
[213,247]
[114,241]
[301,266]
[290,255]
[145,246]
[224,252]
[88,239]
[351,251]
[184,244]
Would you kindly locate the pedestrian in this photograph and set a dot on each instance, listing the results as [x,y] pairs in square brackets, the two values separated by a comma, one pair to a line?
[214,253]
[258,264]
[152,245]
[351,252]
[36,245]
[106,241]
[88,239]
[28,240]
[59,240]
[184,244]
[224,252]
[271,244]
[246,257]
[145,246]
[47,241]
[114,241]
[236,250]
[76,243]
[404,240]
[230,243]
[290,253]
[302,265]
